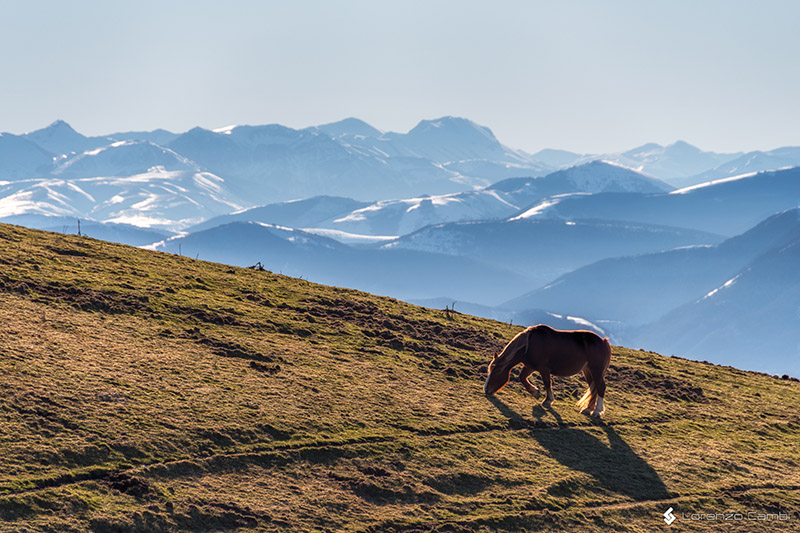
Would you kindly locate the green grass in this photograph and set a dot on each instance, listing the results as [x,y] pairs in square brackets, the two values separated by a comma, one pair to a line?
[142,391]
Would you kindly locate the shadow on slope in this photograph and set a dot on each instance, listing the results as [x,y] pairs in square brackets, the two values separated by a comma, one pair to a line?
[615,466]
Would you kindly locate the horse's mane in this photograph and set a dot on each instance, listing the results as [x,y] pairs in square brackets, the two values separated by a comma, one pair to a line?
[506,357]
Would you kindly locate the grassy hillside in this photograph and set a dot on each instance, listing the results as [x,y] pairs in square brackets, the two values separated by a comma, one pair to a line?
[142,391]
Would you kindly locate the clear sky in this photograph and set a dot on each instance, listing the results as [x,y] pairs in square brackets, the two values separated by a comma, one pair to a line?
[588,76]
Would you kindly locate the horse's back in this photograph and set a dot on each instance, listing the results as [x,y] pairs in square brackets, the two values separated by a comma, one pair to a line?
[569,350]
[581,337]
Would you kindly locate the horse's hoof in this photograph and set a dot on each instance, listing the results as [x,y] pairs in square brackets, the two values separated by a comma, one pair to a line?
[586,412]
[546,404]
[595,414]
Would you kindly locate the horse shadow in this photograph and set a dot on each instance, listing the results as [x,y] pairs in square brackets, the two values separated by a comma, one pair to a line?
[613,465]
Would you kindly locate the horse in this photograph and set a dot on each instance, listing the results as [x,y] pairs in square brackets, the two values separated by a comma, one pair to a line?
[554,352]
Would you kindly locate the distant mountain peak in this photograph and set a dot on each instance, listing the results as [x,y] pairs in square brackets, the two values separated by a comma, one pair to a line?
[349,126]
[681,143]
[682,147]
[557,158]
[640,151]
[61,124]
[597,175]
[451,124]
[59,127]
[600,163]
[596,164]
[60,138]
[198,129]
[198,133]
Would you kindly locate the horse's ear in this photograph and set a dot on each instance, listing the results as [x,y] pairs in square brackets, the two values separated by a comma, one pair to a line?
[494,356]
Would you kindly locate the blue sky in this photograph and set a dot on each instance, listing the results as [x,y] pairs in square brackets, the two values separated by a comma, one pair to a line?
[587,76]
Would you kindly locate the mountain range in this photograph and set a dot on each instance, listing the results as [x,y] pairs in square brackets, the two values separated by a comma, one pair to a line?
[544,249]
[622,288]
[273,163]
[400,273]
[157,198]
[629,244]
[748,321]
[352,159]
[726,207]
[403,216]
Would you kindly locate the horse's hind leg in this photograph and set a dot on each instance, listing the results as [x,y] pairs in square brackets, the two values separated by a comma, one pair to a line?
[599,386]
[548,387]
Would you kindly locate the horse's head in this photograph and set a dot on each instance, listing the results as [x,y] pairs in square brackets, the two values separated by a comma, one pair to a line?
[502,363]
[496,378]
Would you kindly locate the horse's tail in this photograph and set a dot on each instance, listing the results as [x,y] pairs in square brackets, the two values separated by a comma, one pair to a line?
[589,398]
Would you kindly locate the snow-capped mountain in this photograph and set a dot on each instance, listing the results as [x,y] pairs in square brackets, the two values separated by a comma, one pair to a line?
[677,163]
[314,212]
[59,138]
[161,137]
[399,217]
[677,160]
[345,158]
[592,177]
[463,147]
[726,207]
[264,164]
[123,158]
[788,156]
[349,128]
[448,139]
[158,198]
[351,158]
[501,200]
[275,163]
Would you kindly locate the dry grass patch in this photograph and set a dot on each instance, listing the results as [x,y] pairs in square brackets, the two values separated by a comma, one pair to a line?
[142,391]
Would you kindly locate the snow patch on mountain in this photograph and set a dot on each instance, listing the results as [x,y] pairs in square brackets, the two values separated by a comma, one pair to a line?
[721,287]
[399,217]
[123,158]
[711,183]
[158,198]
[542,207]
[350,238]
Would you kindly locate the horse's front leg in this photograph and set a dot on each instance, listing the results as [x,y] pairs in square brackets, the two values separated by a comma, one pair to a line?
[548,387]
[523,378]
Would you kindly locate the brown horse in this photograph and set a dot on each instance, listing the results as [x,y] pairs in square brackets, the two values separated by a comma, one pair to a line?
[558,353]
